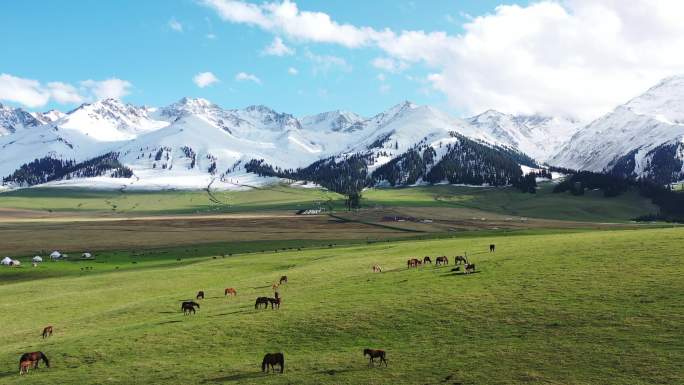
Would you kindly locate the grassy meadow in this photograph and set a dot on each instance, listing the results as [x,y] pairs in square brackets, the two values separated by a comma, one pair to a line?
[592,207]
[581,307]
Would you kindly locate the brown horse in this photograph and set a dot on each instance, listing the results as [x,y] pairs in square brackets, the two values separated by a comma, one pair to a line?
[442,260]
[413,262]
[47,331]
[230,291]
[373,354]
[427,260]
[200,295]
[272,359]
[283,279]
[275,302]
[261,301]
[31,359]
[460,259]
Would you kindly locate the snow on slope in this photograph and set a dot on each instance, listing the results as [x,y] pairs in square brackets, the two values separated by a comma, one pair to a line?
[14,119]
[194,143]
[640,126]
[537,136]
[110,120]
[48,117]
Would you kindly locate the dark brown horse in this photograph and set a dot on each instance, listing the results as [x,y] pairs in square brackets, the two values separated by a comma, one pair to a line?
[47,331]
[189,306]
[230,291]
[492,248]
[272,359]
[460,259]
[31,359]
[261,301]
[283,279]
[427,260]
[200,295]
[442,260]
[275,302]
[373,354]
[413,262]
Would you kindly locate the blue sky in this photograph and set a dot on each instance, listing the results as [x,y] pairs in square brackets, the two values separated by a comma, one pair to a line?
[73,40]
[577,58]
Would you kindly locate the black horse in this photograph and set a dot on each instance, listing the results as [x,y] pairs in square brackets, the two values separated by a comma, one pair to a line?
[272,359]
[275,302]
[469,268]
[200,294]
[189,306]
[373,354]
[492,248]
[261,301]
[460,259]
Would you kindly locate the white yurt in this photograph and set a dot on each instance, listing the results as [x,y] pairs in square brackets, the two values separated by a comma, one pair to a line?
[37,259]
[86,256]
[6,261]
[15,263]
[55,255]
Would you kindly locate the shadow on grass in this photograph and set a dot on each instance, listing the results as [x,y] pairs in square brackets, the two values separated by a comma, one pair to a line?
[332,372]
[169,322]
[234,377]
[232,312]
[459,274]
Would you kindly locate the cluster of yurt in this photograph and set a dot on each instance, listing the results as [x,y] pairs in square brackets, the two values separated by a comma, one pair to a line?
[7,261]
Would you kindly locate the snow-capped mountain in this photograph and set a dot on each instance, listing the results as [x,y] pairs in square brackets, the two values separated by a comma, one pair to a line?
[194,143]
[48,116]
[642,138]
[537,136]
[14,119]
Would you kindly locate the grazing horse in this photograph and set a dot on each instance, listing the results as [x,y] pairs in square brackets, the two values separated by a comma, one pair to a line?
[31,359]
[230,291]
[373,354]
[47,331]
[460,259]
[275,302]
[377,269]
[272,359]
[200,294]
[427,260]
[442,260]
[492,248]
[469,268]
[189,306]
[413,262]
[261,301]
[283,279]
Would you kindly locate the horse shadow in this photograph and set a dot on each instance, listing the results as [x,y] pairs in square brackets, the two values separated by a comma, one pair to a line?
[169,322]
[234,377]
[459,274]
[231,312]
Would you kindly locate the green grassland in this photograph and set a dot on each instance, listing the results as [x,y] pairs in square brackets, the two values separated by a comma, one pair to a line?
[581,307]
[507,201]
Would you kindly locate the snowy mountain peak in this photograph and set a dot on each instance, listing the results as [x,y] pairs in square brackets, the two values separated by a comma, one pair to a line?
[664,101]
[337,120]
[13,119]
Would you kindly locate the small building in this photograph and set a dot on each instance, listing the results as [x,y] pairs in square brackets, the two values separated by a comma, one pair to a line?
[56,255]
[87,256]
[7,261]
[37,259]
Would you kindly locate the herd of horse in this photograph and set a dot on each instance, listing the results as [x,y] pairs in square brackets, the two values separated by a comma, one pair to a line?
[31,360]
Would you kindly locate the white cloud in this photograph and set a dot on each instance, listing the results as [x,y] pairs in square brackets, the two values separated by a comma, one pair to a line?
[382,77]
[28,92]
[575,57]
[205,79]
[244,76]
[277,48]
[389,64]
[175,25]
[326,63]
[64,93]
[211,36]
[105,89]
[292,71]
[31,93]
